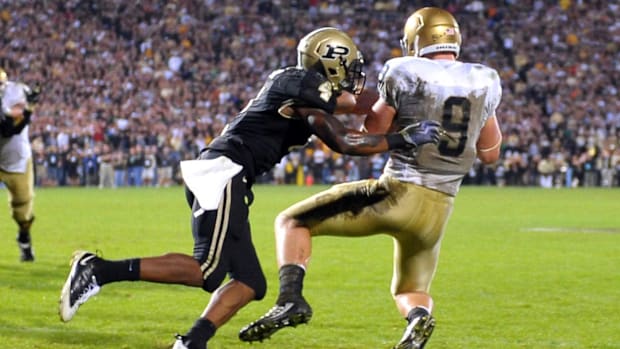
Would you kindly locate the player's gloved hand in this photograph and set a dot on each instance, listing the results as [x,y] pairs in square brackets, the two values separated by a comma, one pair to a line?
[423,132]
[415,135]
[32,95]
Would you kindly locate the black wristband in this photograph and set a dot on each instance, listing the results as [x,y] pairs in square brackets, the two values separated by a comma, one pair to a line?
[395,141]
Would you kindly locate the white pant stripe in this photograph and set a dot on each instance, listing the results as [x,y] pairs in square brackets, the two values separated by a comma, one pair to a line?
[219,234]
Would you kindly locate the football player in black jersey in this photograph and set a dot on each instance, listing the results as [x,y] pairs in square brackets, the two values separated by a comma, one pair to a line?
[295,103]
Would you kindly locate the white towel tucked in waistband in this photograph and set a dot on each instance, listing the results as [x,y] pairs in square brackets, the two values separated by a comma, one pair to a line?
[206,179]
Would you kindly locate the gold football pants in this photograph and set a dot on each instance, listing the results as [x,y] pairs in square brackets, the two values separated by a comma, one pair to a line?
[413,215]
[21,193]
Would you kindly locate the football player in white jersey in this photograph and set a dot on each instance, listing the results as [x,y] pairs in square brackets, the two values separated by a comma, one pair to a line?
[413,199]
[16,172]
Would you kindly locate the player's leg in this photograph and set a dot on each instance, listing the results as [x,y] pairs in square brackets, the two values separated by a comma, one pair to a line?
[21,199]
[350,209]
[247,280]
[343,210]
[223,305]
[291,308]
[416,254]
[90,272]
[411,295]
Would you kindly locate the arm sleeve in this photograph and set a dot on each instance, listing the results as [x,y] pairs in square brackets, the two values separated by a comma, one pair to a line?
[386,86]
[9,129]
[316,92]
[495,93]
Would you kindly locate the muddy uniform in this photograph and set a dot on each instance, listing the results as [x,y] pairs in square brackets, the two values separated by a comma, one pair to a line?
[413,199]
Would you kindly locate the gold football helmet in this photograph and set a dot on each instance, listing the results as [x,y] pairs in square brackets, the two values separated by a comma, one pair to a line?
[3,76]
[428,30]
[333,53]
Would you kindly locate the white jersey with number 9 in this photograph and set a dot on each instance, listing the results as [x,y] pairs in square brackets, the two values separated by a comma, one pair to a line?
[461,96]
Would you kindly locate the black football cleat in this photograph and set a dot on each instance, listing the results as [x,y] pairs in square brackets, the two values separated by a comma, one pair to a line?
[25,249]
[288,314]
[180,342]
[183,342]
[418,331]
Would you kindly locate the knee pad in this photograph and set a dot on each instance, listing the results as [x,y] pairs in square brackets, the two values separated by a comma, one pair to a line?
[24,226]
[260,288]
[22,212]
[210,284]
[258,283]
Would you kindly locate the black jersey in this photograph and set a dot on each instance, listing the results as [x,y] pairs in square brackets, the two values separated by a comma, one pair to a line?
[260,135]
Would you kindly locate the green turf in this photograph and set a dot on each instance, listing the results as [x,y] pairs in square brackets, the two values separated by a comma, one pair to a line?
[520,268]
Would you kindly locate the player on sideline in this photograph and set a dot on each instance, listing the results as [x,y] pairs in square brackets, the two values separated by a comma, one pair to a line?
[16,171]
[413,199]
[294,103]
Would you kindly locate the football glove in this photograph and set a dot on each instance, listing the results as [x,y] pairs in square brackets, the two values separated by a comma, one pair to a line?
[32,94]
[423,132]
[415,135]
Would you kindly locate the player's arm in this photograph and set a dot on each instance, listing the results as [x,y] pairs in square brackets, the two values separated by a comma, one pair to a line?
[348,141]
[15,119]
[348,103]
[380,117]
[489,143]
[16,109]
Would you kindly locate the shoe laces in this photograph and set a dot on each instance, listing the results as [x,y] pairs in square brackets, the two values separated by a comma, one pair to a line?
[90,289]
[275,310]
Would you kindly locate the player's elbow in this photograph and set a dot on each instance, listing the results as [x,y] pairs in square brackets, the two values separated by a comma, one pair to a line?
[343,148]
[489,157]
[489,145]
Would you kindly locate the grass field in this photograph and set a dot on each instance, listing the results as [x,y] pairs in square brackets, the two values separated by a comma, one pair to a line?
[520,268]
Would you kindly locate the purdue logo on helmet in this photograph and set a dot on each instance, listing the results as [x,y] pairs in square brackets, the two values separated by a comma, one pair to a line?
[332,53]
[430,30]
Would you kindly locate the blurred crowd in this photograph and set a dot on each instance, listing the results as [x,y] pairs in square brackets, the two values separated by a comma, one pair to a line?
[129,89]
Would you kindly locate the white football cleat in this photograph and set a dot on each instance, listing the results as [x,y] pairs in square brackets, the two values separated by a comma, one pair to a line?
[81,284]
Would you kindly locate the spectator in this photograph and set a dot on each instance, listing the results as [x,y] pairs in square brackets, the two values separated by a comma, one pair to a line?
[152,70]
[135,166]
[150,166]
[119,162]
[164,167]
[90,167]
[106,167]
[546,168]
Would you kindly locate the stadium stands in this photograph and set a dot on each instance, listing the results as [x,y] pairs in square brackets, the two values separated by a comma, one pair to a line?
[121,79]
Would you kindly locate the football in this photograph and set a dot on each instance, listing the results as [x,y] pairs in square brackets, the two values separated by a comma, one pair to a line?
[365,101]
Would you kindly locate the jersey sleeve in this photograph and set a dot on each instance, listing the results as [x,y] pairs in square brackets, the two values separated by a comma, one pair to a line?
[14,93]
[495,93]
[316,92]
[389,82]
